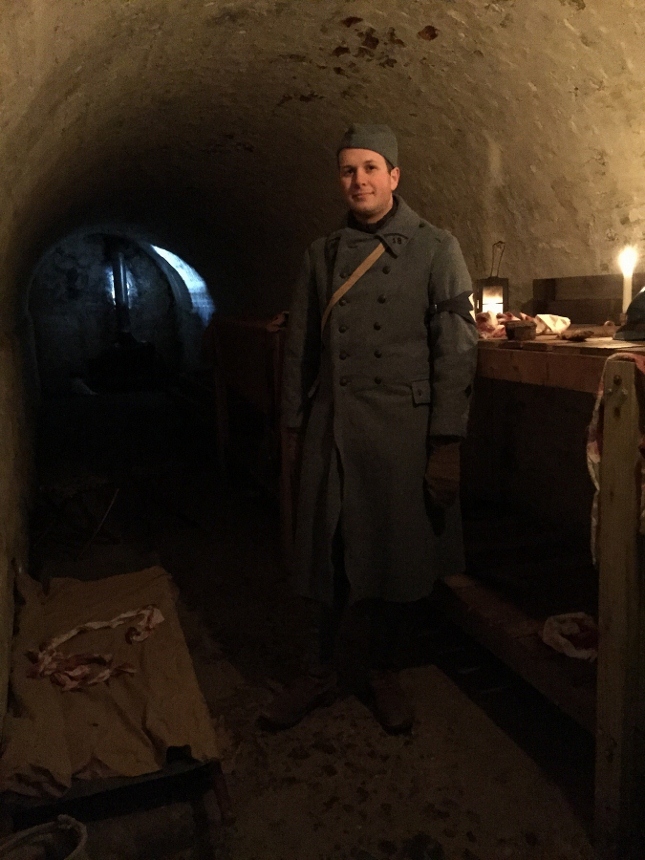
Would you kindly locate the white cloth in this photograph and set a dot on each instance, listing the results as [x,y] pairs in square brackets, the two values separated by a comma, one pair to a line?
[551,324]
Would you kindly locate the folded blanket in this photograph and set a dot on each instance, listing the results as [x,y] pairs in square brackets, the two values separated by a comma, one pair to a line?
[121,726]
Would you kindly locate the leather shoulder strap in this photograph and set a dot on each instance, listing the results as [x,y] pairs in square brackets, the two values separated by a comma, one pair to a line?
[367,263]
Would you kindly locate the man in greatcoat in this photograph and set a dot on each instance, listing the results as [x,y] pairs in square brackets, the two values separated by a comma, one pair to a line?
[376,391]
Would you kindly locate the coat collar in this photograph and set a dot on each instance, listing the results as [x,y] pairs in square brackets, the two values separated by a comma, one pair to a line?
[395,234]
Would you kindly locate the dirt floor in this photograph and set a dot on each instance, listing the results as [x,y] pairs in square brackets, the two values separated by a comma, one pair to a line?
[490,771]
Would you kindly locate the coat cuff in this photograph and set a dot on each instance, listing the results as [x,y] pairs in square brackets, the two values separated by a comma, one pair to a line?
[450,415]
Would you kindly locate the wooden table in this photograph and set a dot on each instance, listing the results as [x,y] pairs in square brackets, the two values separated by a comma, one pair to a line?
[549,361]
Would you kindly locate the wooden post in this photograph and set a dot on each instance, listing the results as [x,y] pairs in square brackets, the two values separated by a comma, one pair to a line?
[619,614]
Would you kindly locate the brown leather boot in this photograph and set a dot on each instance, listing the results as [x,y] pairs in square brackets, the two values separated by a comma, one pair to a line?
[310,691]
[391,706]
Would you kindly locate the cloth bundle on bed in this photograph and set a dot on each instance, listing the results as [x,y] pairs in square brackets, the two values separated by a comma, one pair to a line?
[120,727]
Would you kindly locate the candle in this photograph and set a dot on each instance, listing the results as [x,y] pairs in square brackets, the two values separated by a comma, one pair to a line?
[627,262]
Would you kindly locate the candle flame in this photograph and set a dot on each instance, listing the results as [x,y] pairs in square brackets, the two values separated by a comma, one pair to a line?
[627,260]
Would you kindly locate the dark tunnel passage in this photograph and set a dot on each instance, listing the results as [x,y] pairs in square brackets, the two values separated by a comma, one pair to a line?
[118,337]
[163,162]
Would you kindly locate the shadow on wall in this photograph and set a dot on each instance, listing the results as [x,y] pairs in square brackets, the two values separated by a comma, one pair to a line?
[77,307]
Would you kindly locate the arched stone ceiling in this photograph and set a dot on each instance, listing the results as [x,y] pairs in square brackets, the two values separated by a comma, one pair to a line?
[213,124]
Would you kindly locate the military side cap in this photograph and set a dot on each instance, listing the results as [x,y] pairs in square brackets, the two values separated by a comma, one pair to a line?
[378,138]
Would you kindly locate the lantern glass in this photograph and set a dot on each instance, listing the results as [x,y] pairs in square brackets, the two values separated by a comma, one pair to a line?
[491,295]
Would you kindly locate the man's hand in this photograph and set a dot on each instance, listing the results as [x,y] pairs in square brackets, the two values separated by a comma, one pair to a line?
[443,472]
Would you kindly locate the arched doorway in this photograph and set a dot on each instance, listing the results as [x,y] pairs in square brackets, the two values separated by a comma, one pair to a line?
[118,325]
[100,284]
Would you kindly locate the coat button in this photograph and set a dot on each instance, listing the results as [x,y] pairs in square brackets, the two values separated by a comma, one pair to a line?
[342,302]
[342,329]
[378,353]
[386,270]
[345,274]
[382,299]
[343,355]
[343,380]
[377,326]
[378,380]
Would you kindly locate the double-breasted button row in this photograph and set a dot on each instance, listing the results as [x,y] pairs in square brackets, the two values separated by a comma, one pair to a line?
[343,354]
[345,273]
[344,380]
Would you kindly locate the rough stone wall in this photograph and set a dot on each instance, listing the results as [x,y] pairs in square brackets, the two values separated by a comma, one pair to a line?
[212,124]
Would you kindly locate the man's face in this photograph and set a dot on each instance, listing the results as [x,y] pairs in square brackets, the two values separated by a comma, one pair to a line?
[366,183]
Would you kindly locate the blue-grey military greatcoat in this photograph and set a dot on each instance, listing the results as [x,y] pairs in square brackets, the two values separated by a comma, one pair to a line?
[388,372]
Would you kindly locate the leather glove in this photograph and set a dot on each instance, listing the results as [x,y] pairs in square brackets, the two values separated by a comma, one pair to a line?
[443,472]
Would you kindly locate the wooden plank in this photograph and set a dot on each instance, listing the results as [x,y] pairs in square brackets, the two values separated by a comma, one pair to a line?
[595,345]
[604,346]
[638,801]
[620,604]
[544,290]
[488,606]
[512,366]
[576,367]
[584,299]
[592,288]
[581,311]
[574,372]
[568,370]
[513,637]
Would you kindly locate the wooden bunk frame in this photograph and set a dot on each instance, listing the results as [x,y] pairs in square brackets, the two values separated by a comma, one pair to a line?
[615,709]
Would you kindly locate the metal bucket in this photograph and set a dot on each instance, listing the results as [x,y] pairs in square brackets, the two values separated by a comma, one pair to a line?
[63,839]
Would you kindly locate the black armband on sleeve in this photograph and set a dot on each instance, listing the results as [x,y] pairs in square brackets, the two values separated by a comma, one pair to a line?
[460,304]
